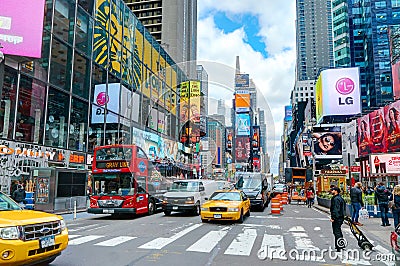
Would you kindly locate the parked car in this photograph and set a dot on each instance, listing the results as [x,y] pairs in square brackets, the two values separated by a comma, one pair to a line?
[29,237]
[226,205]
[188,195]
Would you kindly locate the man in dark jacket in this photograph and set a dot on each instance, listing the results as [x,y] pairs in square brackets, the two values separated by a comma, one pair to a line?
[382,195]
[338,210]
[19,195]
[356,202]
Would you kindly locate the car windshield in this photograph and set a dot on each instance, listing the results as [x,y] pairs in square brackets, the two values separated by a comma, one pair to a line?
[184,186]
[280,187]
[232,196]
[251,182]
[7,204]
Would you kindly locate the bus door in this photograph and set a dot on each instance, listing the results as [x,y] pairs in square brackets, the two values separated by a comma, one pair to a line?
[141,194]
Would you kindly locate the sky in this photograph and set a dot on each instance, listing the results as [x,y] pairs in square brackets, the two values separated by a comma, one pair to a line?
[262,34]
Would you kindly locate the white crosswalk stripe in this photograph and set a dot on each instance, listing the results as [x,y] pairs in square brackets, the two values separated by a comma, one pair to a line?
[115,241]
[243,244]
[83,239]
[208,241]
[272,247]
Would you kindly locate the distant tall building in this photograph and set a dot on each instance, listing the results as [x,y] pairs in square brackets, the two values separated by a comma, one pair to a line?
[173,23]
[313,38]
[202,75]
[221,109]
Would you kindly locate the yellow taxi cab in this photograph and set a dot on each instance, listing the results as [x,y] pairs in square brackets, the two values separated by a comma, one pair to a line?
[29,237]
[226,205]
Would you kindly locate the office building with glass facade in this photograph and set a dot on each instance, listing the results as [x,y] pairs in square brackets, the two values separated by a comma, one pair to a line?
[101,79]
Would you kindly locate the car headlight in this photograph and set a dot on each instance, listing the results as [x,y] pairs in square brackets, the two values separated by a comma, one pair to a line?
[233,209]
[9,233]
[190,198]
[204,209]
[63,225]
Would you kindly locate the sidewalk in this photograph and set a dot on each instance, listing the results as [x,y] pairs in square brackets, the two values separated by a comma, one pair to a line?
[371,226]
[79,215]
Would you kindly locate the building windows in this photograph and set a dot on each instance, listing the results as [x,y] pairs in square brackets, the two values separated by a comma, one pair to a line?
[7,105]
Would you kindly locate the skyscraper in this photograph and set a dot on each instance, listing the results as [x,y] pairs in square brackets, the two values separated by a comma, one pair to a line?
[173,23]
[314,43]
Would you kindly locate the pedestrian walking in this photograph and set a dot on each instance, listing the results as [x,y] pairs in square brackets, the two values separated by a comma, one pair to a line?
[310,197]
[19,195]
[382,195]
[356,202]
[338,209]
[395,197]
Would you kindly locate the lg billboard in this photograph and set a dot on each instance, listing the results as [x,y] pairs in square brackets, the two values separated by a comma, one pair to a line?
[338,92]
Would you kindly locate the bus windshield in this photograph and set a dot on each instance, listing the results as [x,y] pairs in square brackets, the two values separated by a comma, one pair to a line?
[183,186]
[107,154]
[115,184]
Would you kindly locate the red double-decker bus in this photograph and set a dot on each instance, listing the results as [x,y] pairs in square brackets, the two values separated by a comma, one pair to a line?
[120,185]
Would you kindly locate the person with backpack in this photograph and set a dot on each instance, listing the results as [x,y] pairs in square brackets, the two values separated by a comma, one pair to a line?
[382,195]
[310,197]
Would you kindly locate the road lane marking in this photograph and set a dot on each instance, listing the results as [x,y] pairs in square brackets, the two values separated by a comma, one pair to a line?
[82,228]
[272,247]
[161,242]
[242,245]
[304,245]
[297,229]
[115,241]
[73,236]
[208,241]
[317,228]
[83,239]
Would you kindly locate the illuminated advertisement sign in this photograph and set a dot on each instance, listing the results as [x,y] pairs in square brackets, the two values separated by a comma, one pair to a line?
[363,135]
[242,80]
[385,163]
[21,27]
[184,102]
[255,141]
[194,100]
[229,138]
[378,131]
[349,138]
[327,142]
[242,125]
[242,149]
[242,101]
[288,113]
[392,122]
[338,92]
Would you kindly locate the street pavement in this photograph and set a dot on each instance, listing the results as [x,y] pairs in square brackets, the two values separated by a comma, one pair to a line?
[300,235]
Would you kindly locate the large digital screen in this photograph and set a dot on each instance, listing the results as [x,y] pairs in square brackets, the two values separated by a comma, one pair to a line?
[363,135]
[338,92]
[288,113]
[242,80]
[327,142]
[242,149]
[21,27]
[242,101]
[242,124]
[378,131]
[392,119]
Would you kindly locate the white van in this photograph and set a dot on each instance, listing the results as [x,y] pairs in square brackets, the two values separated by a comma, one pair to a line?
[188,195]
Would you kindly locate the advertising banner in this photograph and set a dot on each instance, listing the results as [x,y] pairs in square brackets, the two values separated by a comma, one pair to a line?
[327,142]
[339,92]
[242,125]
[255,142]
[194,99]
[349,138]
[21,27]
[306,145]
[103,97]
[378,131]
[229,138]
[385,163]
[242,101]
[392,119]
[242,149]
[242,81]
[363,135]
[184,102]
[288,113]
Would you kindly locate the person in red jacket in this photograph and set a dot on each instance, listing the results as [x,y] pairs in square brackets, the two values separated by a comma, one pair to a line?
[310,197]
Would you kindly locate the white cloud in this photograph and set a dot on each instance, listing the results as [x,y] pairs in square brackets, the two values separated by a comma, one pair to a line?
[273,76]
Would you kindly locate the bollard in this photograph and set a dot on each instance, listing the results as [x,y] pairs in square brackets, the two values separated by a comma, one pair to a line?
[74,209]
[275,206]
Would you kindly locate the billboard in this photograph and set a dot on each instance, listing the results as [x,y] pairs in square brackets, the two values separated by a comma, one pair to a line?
[242,149]
[385,163]
[229,138]
[327,142]
[288,113]
[184,101]
[242,101]
[349,138]
[21,27]
[242,81]
[378,131]
[392,121]
[338,92]
[363,135]
[242,125]
[194,100]
[255,141]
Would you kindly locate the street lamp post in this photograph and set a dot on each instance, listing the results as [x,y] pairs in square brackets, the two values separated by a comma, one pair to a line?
[313,123]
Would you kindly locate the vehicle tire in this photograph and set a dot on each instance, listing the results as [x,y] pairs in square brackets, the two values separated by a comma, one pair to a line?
[248,213]
[366,246]
[241,219]
[167,213]
[151,207]
[197,209]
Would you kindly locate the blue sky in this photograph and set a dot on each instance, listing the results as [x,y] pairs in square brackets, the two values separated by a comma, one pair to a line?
[262,34]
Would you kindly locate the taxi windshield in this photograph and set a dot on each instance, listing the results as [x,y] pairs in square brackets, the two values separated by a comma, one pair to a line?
[7,204]
[230,196]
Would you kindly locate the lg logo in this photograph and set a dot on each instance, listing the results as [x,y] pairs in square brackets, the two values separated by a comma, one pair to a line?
[345,86]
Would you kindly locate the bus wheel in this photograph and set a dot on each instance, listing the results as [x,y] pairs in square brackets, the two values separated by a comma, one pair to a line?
[167,213]
[151,207]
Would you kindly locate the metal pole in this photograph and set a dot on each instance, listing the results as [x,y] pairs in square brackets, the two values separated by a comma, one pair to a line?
[74,209]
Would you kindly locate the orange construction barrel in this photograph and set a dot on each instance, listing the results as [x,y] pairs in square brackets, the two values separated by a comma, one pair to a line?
[275,206]
[285,198]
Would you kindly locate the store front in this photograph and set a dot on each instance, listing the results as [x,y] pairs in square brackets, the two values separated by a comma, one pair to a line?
[329,178]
